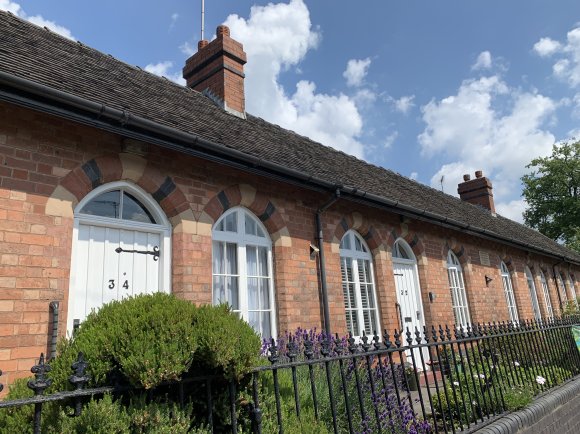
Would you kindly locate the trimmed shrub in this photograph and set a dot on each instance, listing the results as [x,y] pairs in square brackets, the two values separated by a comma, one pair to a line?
[225,344]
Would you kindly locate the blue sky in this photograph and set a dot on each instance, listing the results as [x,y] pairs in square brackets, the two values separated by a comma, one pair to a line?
[427,89]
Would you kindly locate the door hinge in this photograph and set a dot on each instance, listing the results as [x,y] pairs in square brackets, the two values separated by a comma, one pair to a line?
[155,252]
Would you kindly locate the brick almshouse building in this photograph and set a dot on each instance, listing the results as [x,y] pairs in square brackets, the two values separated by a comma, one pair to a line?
[114,181]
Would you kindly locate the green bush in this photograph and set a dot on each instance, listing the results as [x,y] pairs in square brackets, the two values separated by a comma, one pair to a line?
[226,344]
[144,341]
[148,339]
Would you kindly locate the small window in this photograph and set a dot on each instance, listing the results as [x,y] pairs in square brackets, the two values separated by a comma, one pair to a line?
[533,294]
[400,251]
[509,293]
[457,288]
[562,288]
[118,204]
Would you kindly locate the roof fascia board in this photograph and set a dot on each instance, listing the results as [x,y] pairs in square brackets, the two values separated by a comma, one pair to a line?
[43,98]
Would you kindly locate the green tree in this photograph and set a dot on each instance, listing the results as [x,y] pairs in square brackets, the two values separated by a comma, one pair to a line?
[552,191]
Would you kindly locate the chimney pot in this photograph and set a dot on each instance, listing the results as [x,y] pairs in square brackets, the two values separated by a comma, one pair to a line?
[217,69]
[478,191]
[222,30]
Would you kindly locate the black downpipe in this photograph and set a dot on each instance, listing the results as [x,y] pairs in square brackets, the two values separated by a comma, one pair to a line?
[322,263]
[54,329]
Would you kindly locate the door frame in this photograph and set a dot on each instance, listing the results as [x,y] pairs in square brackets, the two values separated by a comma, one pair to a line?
[163,228]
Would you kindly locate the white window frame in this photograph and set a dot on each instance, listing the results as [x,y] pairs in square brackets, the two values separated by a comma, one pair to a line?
[533,293]
[546,292]
[356,256]
[561,289]
[572,289]
[242,241]
[509,293]
[459,301]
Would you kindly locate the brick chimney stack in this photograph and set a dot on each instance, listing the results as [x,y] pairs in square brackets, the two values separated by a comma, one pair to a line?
[477,191]
[217,69]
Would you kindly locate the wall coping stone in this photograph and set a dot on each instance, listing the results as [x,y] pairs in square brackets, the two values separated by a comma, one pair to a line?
[542,406]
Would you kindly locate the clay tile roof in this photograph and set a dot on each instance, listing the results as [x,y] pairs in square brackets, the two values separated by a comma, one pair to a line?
[33,53]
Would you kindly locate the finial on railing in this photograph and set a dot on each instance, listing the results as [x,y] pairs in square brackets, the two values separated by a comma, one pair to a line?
[409,339]
[434,333]
[79,378]
[1,385]
[426,334]
[417,336]
[376,341]
[325,346]
[397,335]
[387,339]
[365,342]
[40,382]
[292,347]
[352,347]
[308,348]
[338,345]
[273,357]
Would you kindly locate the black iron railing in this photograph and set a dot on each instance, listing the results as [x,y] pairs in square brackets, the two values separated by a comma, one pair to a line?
[434,380]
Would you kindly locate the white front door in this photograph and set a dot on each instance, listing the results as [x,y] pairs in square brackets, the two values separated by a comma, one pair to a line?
[110,264]
[409,299]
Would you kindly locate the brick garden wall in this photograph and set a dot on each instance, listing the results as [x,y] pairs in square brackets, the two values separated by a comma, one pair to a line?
[47,165]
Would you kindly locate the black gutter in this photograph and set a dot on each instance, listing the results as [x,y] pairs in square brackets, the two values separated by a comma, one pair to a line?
[322,262]
[139,128]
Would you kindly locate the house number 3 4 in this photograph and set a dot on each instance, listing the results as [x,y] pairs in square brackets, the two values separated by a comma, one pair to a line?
[112,284]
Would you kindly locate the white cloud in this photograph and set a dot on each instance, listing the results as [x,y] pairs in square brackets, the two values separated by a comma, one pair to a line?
[546,47]
[414,176]
[390,139]
[356,71]
[174,18]
[276,38]
[475,129]
[483,61]
[17,10]
[163,69]
[567,66]
[404,104]
[187,49]
[513,209]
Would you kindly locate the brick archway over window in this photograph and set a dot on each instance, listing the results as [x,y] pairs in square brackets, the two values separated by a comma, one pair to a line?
[109,168]
[410,237]
[357,222]
[252,199]
[458,251]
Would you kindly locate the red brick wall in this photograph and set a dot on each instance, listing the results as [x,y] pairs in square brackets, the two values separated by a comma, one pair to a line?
[42,156]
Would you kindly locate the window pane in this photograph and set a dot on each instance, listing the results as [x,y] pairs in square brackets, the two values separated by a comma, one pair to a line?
[133,210]
[357,245]
[264,294]
[266,333]
[232,292]
[263,261]
[231,222]
[218,258]
[345,243]
[250,225]
[253,298]
[231,266]
[251,261]
[254,320]
[104,205]
[219,292]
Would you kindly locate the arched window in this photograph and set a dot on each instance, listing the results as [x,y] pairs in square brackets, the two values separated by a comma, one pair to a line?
[401,251]
[562,288]
[457,287]
[546,292]
[570,282]
[242,269]
[358,285]
[509,293]
[533,294]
